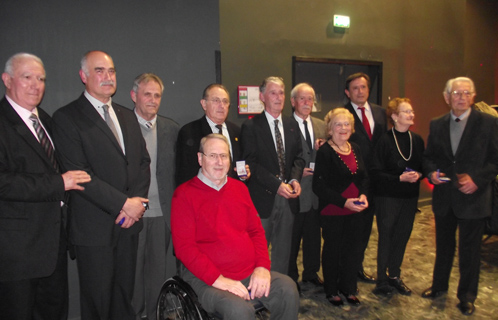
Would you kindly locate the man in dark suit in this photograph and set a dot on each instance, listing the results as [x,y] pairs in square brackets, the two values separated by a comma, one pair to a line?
[33,259]
[307,222]
[103,138]
[215,102]
[155,260]
[271,145]
[369,125]
[461,160]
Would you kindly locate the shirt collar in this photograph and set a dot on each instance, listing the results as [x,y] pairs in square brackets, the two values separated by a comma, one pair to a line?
[356,107]
[213,125]
[299,119]
[95,102]
[463,116]
[143,122]
[22,112]
[210,183]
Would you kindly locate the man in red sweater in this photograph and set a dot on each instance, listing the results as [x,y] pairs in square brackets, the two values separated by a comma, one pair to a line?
[218,237]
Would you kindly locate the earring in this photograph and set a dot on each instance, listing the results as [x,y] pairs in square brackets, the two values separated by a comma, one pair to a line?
[395,121]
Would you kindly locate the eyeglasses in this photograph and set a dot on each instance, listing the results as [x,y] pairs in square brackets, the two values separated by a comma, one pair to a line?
[218,101]
[216,156]
[407,111]
[461,93]
[340,125]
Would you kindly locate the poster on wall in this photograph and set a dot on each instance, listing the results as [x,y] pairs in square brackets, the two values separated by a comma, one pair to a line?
[249,102]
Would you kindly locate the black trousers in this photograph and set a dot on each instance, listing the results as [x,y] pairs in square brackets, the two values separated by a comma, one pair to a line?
[341,252]
[107,276]
[395,218]
[470,233]
[365,231]
[39,298]
[306,227]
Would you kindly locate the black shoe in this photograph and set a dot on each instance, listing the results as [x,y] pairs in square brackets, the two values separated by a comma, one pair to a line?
[383,290]
[316,281]
[352,299]
[363,276]
[335,300]
[467,308]
[399,285]
[429,293]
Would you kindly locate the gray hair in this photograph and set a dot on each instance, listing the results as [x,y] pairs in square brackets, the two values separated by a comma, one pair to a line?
[9,65]
[276,80]
[300,86]
[84,60]
[213,136]
[146,78]
[449,84]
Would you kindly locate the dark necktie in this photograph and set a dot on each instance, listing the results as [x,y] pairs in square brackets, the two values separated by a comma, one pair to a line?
[365,122]
[457,119]
[148,124]
[308,136]
[110,123]
[44,140]
[220,128]
[280,151]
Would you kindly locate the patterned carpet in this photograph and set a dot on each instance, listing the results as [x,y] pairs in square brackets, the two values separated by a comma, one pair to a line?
[417,274]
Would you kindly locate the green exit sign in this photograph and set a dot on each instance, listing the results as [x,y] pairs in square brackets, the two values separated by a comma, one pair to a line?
[341,21]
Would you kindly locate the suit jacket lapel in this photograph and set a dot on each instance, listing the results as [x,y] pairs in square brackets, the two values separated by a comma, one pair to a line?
[445,135]
[266,135]
[358,125]
[467,132]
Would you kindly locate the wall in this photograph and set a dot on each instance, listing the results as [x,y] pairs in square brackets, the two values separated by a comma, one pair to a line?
[422,43]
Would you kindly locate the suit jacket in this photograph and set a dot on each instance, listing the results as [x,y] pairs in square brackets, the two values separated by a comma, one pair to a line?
[167,132]
[85,142]
[260,153]
[189,140]
[477,155]
[31,192]
[308,199]
[360,136]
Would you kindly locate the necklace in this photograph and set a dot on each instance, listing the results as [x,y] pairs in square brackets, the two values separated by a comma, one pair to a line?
[347,144]
[339,155]
[399,150]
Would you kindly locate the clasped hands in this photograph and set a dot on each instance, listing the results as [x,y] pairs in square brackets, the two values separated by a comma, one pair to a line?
[259,285]
[132,211]
[465,183]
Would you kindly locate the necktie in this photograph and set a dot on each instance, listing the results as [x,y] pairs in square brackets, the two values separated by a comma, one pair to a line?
[365,122]
[109,122]
[220,128]
[44,140]
[308,136]
[457,119]
[148,124]
[280,151]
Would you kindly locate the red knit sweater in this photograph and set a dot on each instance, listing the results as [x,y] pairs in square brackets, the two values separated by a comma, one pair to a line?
[217,232]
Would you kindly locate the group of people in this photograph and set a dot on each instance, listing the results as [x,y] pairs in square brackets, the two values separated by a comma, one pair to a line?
[115,186]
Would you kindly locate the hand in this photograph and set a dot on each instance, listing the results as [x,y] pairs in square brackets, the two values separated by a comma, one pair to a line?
[232,286]
[286,190]
[466,184]
[409,176]
[307,172]
[434,176]
[260,283]
[134,208]
[72,179]
[128,222]
[319,143]
[248,173]
[356,207]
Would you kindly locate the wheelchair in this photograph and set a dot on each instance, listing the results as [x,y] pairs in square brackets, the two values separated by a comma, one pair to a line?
[178,301]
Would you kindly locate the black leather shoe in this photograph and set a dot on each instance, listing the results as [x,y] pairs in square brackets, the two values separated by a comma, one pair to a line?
[317,282]
[363,276]
[335,300]
[429,293]
[383,290]
[399,285]
[467,308]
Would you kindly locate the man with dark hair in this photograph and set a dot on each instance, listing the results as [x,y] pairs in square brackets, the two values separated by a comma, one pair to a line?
[33,257]
[216,103]
[220,241]
[103,138]
[155,260]
[369,125]
[272,147]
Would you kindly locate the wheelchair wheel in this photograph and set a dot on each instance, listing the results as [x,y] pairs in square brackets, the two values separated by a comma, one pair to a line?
[177,301]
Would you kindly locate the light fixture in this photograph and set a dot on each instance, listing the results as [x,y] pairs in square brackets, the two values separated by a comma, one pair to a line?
[341,21]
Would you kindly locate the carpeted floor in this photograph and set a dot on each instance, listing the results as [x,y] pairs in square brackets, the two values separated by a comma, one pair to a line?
[417,274]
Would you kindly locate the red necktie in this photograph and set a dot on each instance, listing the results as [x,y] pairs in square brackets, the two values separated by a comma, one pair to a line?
[365,122]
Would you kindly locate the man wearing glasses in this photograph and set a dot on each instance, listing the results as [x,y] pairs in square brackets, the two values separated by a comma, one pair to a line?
[215,102]
[462,170]
[218,237]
